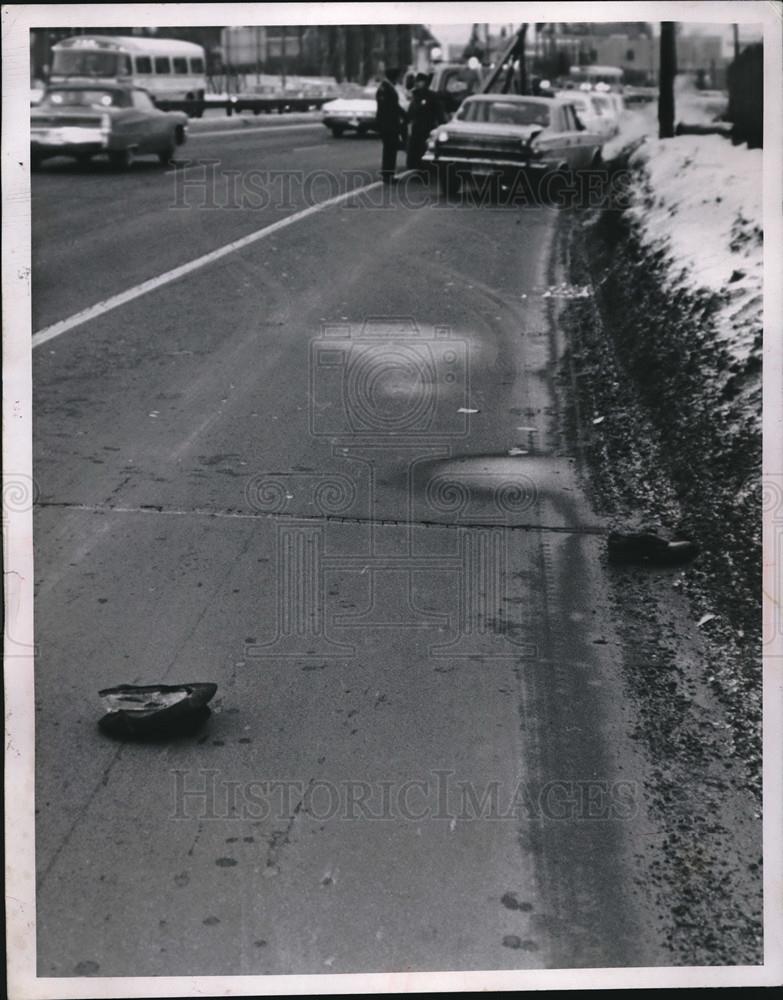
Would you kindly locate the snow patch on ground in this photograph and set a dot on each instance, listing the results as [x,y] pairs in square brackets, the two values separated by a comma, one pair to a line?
[698,197]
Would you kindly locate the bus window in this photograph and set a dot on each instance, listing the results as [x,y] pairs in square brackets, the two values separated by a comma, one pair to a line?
[196,65]
[180,66]
[143,65]
[162,64]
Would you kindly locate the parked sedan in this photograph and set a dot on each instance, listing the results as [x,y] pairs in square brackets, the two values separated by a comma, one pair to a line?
[356,114]
[84,119]
[503,134]
[595,112]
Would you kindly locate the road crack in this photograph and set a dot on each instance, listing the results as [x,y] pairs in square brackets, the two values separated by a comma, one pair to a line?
[238,515]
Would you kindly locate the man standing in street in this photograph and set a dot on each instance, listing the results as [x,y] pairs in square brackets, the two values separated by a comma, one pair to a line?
[391,121]
[425,113]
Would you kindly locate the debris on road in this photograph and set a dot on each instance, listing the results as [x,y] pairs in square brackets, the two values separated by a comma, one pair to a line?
[565,290]
[647,547]
[156,710]
[704,619]
[465,409]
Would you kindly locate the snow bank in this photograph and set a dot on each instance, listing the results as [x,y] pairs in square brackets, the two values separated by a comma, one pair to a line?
[698,198]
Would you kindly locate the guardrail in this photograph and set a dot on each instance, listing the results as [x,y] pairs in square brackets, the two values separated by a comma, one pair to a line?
[236,103]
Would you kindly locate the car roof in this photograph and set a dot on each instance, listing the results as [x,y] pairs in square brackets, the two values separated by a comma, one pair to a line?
[514,98]
[132,43]
[545,102]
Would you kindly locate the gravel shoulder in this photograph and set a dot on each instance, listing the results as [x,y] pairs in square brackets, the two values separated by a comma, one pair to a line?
[641,374]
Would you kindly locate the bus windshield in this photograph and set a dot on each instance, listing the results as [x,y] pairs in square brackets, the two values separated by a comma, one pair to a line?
[73,62]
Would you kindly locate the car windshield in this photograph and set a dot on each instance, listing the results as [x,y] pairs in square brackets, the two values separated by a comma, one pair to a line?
[85,98]
[505,112]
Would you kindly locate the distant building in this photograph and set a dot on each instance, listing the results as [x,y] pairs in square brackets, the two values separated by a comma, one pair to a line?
[636,52]
[346,52]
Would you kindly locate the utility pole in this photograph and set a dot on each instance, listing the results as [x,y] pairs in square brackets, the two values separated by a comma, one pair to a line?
[282,57]
[735,29]
[667,72]
[522,62]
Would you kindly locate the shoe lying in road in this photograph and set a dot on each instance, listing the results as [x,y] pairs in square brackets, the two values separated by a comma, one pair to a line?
[650,549]
[156,710]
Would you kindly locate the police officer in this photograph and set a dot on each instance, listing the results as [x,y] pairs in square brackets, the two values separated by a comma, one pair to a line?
[425,113]
[390,119]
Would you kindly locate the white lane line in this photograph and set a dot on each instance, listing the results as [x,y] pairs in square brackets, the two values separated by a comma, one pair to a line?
[50,332]
[250,129]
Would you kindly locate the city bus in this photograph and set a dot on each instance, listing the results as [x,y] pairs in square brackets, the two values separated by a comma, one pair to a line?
[168,68]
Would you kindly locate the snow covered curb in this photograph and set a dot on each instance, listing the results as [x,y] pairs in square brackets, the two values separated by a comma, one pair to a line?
[699,197]
[695,201]
[677,273]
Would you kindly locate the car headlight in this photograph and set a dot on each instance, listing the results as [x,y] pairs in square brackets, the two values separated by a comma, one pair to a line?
[443,136]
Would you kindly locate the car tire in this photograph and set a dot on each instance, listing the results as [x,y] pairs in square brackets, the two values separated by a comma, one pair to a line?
[336,130]
[121,159]
[84,159]
[448,181]
[35,162]
[165,156]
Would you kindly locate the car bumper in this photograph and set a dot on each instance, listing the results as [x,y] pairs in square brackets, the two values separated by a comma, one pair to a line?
[349,121]
[68,139]
[487,165]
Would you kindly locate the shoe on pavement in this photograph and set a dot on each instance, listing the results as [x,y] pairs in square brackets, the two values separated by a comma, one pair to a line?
[155,710]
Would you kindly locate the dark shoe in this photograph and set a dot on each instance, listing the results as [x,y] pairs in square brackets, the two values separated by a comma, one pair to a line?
[155,711]
[649,549]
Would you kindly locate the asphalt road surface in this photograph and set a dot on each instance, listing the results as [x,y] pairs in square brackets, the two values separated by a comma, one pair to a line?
[327,472]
